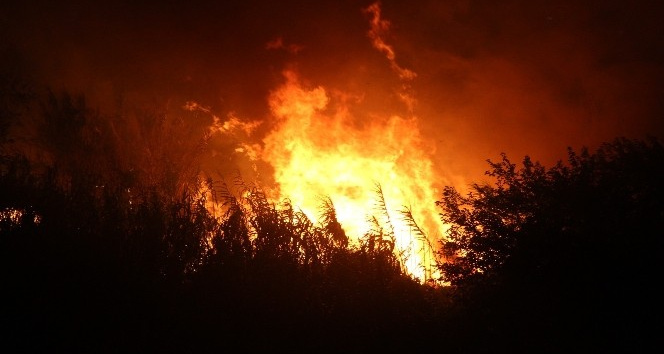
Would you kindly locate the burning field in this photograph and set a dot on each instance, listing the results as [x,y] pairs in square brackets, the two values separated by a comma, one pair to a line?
[326,161]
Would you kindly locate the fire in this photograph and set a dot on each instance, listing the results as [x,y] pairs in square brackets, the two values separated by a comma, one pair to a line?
[318,150]
[375,168]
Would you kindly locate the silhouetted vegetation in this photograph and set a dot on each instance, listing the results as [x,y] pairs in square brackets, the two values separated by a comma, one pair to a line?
[563,258]
[107,251]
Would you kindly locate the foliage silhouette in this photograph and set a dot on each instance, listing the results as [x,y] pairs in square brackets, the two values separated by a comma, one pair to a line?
[110,240]
[103,253]
[576,244]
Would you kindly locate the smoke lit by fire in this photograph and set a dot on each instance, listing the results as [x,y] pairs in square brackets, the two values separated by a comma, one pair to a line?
[342,99]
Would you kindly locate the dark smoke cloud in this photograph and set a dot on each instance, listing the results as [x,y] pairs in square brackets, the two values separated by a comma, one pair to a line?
[521,77]
[533,77]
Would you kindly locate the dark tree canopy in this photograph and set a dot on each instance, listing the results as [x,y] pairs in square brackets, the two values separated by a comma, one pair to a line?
[108,243]
[598,208]
[586,235]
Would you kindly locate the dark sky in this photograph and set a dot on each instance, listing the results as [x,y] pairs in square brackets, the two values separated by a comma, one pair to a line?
[521,77]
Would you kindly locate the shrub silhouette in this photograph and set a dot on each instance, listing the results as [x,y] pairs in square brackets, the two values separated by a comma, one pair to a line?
[106,250]
[102,254]
[575,244]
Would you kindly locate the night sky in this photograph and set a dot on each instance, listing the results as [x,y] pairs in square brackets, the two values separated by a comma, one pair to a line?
[520,77]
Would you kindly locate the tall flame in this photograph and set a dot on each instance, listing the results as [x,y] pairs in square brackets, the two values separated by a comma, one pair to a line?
[374,168]
[318,150]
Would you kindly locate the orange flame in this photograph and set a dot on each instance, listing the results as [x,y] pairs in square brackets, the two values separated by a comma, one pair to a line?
[375,169]
[318,151]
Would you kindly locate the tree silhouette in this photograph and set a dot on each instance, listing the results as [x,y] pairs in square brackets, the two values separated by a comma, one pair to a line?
[111,241]
[16,95]
[576,244]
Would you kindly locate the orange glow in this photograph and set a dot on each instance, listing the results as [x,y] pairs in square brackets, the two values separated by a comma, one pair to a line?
[375,168]
[317,151]
[11,217]
[379,27]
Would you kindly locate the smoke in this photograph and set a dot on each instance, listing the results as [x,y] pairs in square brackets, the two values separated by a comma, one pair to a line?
[379,28]
[531,77]
[514,76]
